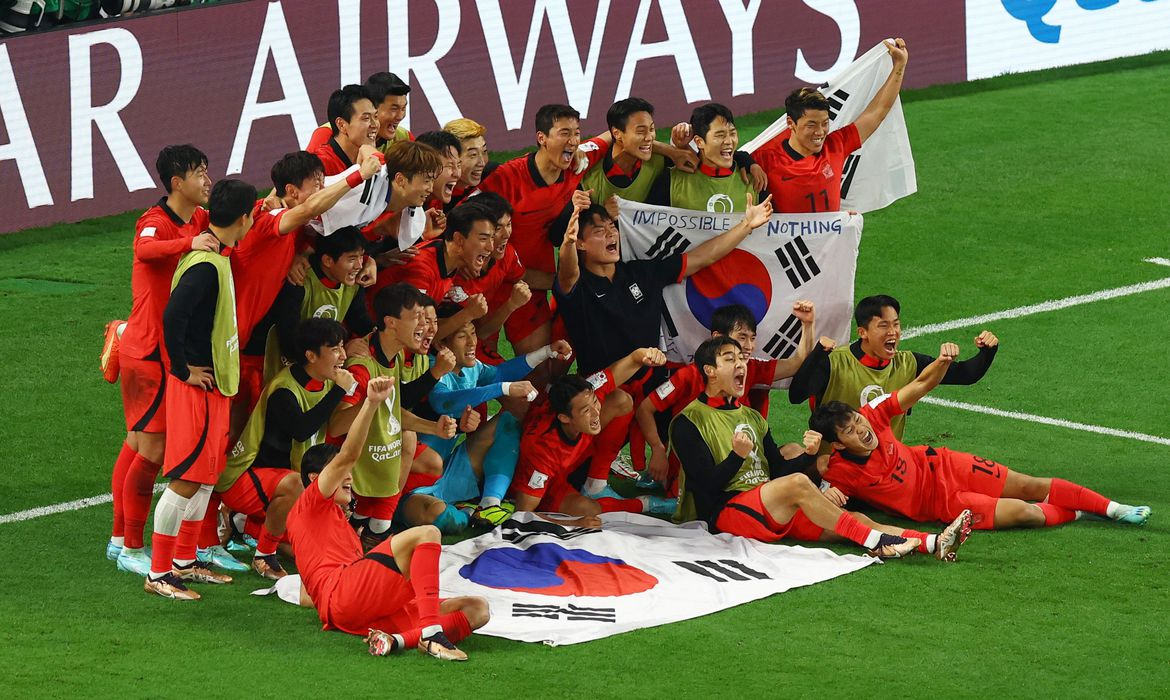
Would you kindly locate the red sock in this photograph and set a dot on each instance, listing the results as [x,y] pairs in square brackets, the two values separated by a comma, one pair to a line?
[137,491]
[267,542]
[424,578]
[162,551]
[613,505]
[117,482]
[188,539]
[1055,515]
[851,529]
[1068,495]
[607,445]
[209,533]
[920,536]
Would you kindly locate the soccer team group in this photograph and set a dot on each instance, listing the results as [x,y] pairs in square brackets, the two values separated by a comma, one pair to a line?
[311,371]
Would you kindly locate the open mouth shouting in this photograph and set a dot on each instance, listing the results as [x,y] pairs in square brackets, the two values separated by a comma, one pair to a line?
[739,380]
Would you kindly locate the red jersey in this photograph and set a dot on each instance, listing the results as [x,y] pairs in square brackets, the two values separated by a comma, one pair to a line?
[160,239]
[322,541]
[495,284]
[807,184]
[537,203]
[332,157]
[426,271]
[685,385]
[259,265]
[894,477]
[547,456]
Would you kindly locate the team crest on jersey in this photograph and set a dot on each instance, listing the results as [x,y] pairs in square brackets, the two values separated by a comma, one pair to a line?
[456,294]
[720,203]
[325,311]
[636,291]
[827,171]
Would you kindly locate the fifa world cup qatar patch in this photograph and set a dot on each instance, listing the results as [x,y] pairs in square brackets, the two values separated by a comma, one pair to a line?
[666,389]
[537,480]
[147,232]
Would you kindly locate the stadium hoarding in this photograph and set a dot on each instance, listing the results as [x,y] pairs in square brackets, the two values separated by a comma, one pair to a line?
[1012,36]
[84,110]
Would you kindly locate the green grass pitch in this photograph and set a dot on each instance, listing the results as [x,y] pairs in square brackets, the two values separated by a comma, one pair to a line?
[1032,188]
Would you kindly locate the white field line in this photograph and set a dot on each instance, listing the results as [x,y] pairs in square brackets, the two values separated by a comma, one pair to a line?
[63,507]
[1158,261]
[1042,307]
[1044,420]
[1017,312]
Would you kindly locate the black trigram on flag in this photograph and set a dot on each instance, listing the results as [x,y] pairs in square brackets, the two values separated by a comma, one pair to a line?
[567,612]
[797,262]
[848,171]
[723,570]
[836,101]
[786,340]
[667,244]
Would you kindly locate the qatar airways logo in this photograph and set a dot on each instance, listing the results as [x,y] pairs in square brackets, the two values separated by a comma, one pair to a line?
[1034,12]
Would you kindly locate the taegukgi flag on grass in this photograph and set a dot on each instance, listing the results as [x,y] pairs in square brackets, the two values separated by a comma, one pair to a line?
[562,585]
[793,256]
[882,170]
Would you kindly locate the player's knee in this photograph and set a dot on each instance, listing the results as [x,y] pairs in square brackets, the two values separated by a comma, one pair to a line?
[794,484]
[1032,516]
[152,446]
[427,533]
[477,612]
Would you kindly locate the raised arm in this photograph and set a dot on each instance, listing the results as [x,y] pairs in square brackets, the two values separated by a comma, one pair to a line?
[377,391]
[322,200]
[883,100]
[707,252]
[625,368]
[805,311]
[569,268]
[929,378]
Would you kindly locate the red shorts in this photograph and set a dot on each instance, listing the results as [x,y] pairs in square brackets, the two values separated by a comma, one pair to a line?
[372,594]
[251,381]
[527,319]
[418,480]
[745,516]
[487,351]
[967,482]
[253,491]
[197,432]
[143,385]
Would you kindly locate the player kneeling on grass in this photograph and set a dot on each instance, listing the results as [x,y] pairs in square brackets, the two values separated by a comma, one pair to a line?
[289,418]
[558,439]
[391,593]
[924,483]
[765,496]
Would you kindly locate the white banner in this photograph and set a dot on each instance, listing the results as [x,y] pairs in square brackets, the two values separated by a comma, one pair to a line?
[793,256]
[1011,36]
[882,170]
[557,585]
[362,205]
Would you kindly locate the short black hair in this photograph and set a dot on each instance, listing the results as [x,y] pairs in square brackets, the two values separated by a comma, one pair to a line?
[708,351]
[803,99]
[293,169]
[441,141]
[393,300]
[315,460]
[727,317]
[177,161]
[829,417]
[230,199]
[548,115]
[316,333]
[425,300]
[562,390]
[702,117]
[463,217]
[341,104]
[620,112]
[870,307]
[494,202]
[381,85]
[347,239]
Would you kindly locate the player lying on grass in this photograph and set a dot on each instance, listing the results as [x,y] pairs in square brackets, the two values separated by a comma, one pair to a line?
[395,587]
[924,484]
[755,491]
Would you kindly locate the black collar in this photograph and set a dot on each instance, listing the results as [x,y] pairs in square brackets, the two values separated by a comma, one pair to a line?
[722,403]
[441,259]
[379,355]
[558,426]
[175,218]
[534,172]
[340,153]
[792,152]
[856,459]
